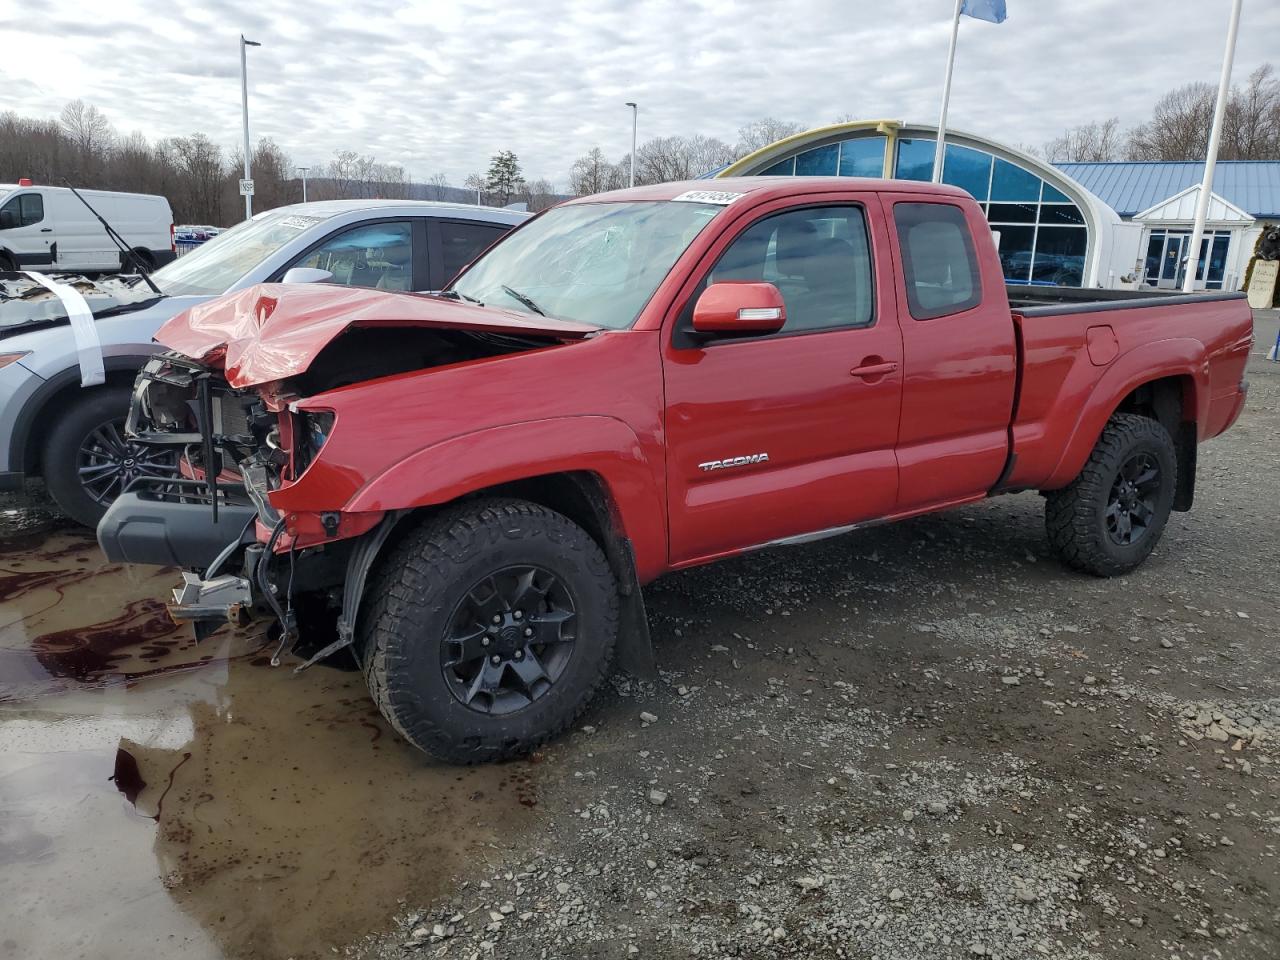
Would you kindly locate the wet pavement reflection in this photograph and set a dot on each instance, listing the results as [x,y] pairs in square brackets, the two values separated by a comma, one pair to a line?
[159,796]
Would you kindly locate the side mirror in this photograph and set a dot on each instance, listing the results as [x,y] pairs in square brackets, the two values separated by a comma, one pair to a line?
[8,219]
[306,275]
[730,307]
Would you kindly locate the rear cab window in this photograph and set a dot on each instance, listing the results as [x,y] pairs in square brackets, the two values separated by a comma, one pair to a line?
[939,263]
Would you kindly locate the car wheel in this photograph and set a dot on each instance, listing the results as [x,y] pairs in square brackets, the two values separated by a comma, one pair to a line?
[88,461]
[489,629]
[141,259]
[1109,518]
[6,264]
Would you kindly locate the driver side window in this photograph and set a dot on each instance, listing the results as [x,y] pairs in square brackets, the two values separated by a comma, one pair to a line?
[22,211]
[375,255]
[818,258]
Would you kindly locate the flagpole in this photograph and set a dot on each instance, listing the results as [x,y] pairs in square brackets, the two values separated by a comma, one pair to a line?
[1211,157]
[946,97]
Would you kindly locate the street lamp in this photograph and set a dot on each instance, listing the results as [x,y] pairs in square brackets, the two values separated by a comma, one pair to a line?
[303,171]
[244,105]
[635,118]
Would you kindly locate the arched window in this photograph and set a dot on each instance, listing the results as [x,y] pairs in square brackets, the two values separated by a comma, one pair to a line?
[1043,235]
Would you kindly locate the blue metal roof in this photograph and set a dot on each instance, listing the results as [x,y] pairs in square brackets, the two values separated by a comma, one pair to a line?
[1131,187]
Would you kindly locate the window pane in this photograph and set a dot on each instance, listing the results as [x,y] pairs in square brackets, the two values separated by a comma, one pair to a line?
[1060,255]
[1010,182]
[967,169]
[818,259]
[1053,213]
[377,255]
[32,208]
[819,162]
[1012,213]
[1016,244]
[863,157]
[937,258]
[783,168]
[460,243]
[915,160]
[1053,195]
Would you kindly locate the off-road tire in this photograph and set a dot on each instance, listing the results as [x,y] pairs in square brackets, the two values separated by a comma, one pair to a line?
[414,593]
[1075,515]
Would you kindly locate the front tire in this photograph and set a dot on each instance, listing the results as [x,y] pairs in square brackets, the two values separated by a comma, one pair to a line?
[87,460]
[489,629]
[1109,519]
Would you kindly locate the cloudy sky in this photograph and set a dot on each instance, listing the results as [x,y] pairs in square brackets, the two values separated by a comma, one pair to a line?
[441,86]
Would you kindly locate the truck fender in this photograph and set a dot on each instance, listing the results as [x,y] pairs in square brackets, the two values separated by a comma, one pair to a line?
[471,462]
[1182,357]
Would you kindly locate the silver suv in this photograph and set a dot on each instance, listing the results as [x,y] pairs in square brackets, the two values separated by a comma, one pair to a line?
[73,435]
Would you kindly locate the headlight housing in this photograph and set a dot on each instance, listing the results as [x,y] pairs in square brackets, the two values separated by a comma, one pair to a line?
[312,429]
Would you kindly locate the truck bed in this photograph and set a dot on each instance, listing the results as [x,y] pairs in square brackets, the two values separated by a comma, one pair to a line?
[1037,301]
[1080,346]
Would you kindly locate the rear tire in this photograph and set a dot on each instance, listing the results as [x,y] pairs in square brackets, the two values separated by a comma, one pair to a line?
[489,629]
[1109,519]
[87,462]
[143,257]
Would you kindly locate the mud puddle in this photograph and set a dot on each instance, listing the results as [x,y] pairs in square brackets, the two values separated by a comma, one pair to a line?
[157,796]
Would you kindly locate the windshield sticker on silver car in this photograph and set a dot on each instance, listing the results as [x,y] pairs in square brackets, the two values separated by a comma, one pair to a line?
[299,222]
[722,197]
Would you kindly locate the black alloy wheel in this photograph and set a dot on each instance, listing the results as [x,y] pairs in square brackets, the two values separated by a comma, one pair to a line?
[509,639]
[1110,517]
[1133,501]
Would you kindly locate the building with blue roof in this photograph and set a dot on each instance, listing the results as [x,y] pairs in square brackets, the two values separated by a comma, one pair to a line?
[1071,224]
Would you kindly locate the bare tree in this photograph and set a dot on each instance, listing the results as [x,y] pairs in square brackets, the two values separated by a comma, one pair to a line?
[437,187]
[1178,128]
[664,159]
[87,127]
[1251,123]
[540,194]
[593,173]
[1096,142]
[762,132]
[475,182]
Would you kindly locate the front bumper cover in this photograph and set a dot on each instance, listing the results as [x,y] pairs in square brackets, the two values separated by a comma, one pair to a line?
[167,533]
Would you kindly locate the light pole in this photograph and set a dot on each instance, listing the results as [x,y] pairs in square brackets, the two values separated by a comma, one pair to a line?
[635,119]
[303,171]
[244,105]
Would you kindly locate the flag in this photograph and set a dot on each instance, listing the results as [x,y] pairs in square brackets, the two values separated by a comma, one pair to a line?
[991,10]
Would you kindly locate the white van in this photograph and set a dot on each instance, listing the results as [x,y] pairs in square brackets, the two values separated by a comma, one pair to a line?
[49,228]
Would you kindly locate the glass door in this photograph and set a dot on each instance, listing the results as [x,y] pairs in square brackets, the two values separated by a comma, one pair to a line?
[1171,268]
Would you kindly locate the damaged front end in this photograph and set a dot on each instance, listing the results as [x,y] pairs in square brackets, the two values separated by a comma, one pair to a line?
[216,519]
[244,398]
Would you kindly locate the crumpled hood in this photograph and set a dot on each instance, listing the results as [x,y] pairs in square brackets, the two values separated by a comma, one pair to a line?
[271,331]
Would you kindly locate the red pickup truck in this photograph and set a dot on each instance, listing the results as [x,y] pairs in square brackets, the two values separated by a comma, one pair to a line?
[476,484]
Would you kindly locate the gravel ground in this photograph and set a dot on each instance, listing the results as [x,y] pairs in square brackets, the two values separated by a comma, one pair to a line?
[923,741]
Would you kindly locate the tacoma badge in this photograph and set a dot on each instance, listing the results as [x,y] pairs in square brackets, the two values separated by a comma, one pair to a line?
[746,461]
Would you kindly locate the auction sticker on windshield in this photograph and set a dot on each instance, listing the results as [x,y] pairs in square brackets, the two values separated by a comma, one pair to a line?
[300,222]
[722,197]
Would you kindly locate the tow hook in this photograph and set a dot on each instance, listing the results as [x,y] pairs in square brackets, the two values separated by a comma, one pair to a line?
[210,603]
[330,521]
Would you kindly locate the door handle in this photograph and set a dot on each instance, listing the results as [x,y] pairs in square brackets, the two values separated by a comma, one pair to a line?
[46,229]
[876,369]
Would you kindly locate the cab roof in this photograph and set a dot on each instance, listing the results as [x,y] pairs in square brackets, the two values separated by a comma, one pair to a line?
[762,189]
